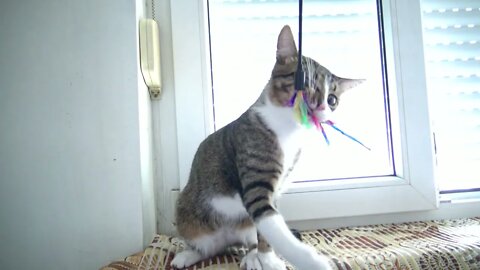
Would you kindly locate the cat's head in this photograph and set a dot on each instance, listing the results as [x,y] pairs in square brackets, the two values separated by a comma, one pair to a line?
[323,88]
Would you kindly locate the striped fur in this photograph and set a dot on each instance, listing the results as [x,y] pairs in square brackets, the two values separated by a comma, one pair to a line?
[238,171]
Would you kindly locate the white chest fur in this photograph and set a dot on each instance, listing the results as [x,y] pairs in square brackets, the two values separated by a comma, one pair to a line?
[289,132]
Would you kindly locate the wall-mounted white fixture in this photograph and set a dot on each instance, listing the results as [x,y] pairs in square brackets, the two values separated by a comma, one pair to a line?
[150,56]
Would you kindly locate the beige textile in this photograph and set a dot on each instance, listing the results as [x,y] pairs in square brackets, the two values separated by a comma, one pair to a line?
[429,245]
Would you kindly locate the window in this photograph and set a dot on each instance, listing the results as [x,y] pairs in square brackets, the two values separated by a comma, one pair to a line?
[404,182]
[344,37]
[411,188]
[452,50]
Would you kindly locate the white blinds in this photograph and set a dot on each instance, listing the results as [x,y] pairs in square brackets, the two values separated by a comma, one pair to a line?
[342,35]
[452,51]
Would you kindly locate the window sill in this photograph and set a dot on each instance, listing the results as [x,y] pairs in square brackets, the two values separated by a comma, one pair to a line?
[460,197]
[353,197]
[446,210]
[347,183]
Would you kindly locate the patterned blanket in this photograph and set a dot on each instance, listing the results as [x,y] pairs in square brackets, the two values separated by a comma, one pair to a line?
[432,245]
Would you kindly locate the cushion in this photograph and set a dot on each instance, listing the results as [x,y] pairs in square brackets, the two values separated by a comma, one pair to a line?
[429,245]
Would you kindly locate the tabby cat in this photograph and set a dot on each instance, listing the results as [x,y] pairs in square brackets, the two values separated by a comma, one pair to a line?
[238,172]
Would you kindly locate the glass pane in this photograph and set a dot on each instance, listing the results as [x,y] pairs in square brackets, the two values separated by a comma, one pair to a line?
[341,35]
[452,52]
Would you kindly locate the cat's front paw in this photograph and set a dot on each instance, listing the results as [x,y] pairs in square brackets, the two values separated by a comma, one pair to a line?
[270,261]
[251,261]
[255,260]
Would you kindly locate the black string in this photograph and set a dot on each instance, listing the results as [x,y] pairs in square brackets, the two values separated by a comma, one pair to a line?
[299,75]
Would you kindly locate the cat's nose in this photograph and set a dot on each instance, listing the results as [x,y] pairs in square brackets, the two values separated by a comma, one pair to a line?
[322,107]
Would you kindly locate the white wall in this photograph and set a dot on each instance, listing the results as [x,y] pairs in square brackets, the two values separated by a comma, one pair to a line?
[75,164]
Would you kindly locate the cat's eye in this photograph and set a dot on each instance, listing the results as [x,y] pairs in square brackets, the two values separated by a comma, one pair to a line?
[332,100]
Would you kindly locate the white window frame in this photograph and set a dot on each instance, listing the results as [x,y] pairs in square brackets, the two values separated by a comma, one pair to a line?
[412,190]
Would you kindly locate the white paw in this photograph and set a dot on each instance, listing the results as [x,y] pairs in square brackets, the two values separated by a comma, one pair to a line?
[250,261]
[186,258]
[270,261]
[255,260]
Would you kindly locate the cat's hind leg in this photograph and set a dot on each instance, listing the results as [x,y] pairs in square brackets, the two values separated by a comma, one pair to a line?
[200,248]
[248,236]
[186,258]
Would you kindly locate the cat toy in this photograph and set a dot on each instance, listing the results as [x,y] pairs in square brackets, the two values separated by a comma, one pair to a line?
[308,119]
[302,112]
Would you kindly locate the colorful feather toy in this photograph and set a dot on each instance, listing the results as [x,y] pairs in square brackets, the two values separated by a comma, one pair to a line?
[303,114]
[307,119]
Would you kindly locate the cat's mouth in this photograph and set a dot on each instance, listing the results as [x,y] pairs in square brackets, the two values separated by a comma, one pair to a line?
[307,113]
[322,114]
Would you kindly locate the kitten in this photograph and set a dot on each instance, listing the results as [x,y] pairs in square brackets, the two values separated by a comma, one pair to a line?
[238,172]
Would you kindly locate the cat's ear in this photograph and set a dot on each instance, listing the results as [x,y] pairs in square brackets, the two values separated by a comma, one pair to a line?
[344,84]
[286,48]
